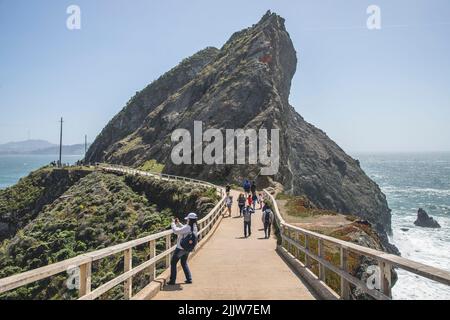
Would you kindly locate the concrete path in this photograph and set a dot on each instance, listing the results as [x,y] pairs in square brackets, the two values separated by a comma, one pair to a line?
[231,267]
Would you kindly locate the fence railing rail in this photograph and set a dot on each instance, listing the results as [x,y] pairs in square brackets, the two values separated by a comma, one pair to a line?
[84,261]
[290,241]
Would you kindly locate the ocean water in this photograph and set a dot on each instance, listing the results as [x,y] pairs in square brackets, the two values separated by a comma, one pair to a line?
[14,167]
[411,181]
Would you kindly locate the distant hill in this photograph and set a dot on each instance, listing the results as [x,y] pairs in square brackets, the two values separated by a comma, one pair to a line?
[71,149]
[24,146]
[38,147]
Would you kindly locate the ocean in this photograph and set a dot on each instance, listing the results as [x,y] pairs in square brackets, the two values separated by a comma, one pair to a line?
[14,167]
[409,180]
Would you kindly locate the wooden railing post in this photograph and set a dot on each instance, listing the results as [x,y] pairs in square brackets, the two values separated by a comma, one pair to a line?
[168,246]
[128,265]
[320,254]
[283,232]
[345,289]
[152,269]
[85,279]
[306,251]
[385,278]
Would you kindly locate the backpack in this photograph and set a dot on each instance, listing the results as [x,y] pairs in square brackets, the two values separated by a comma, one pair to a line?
[189,242]
[267,216]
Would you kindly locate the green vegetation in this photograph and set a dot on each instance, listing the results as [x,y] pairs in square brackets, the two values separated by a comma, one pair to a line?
[300,206]
[347,228]
[152,166]
[98,211]
[22,202]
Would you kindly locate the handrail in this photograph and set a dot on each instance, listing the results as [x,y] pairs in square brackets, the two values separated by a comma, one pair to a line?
[84,261]
[290,234]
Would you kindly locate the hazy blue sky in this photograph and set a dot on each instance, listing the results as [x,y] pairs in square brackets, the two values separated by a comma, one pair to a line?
[369,90]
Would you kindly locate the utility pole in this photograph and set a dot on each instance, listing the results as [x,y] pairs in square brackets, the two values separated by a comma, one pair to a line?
[85,146]
[60,144]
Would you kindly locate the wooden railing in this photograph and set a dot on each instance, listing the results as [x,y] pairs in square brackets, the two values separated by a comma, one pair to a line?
[84,261]
[290,241]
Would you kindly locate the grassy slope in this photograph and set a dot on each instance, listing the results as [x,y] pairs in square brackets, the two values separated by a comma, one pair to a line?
[296,209]
[22,202]
[99,210]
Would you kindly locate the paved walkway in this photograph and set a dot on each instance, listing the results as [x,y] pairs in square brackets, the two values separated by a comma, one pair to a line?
[231,267]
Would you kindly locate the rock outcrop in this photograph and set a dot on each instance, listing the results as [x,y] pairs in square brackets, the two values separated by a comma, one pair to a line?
[246,84]
[424,220]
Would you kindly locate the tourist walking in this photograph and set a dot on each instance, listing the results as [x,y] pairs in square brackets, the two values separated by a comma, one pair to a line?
[248,211]
[229,203]
[253,187]
[228,189]
[254,200]
[260,200]
[267,219]
[241,203]
[187,239]
[249,200]
[247,186]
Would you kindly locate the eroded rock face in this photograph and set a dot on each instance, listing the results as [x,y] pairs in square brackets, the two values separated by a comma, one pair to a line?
[424,220]
[245,84]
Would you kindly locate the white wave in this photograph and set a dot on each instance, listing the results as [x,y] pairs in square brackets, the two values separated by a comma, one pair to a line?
[429,191]
[429,246]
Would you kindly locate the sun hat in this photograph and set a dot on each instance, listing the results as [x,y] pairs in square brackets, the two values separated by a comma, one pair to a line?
[192,216]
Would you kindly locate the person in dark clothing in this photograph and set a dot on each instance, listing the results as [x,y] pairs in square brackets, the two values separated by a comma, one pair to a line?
[228,189]
[248,211]
[267,220]
[241,204]
[253,187]
[246,185]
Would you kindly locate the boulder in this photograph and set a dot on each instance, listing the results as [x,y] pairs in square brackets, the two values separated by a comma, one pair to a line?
[424,220]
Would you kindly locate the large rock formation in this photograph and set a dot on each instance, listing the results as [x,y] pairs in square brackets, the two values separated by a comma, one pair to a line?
[424,220]
[245,84]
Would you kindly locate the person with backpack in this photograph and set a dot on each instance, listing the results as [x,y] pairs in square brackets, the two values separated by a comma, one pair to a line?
[241,204]
[260,201]
[229,203]
[186,242]
[248,211]
[267,219]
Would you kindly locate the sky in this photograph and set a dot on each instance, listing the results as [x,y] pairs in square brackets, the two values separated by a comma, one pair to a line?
[369,90]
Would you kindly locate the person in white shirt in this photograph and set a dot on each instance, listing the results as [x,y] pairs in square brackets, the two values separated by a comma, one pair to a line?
[229,203]
[180,254]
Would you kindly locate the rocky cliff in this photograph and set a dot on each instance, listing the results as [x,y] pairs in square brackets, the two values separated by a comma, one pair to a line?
[246,84]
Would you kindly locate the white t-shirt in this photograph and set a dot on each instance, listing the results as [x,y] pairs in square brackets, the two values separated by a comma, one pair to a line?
[182,231]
